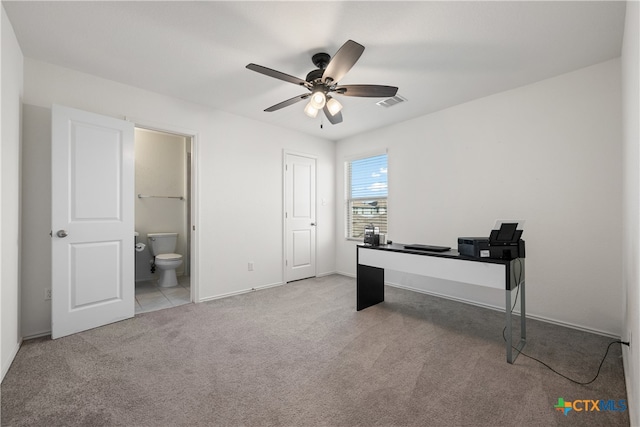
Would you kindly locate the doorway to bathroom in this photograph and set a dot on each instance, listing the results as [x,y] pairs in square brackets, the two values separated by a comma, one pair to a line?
[163,180]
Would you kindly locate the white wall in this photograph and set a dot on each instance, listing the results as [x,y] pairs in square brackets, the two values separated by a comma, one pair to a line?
[36,221]
[631,207]
[239,168]
[160,171]
[548,153]
[11,90]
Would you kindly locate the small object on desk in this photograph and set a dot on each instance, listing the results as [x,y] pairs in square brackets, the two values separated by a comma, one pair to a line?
[505,240]
[430,248]
[389,242]
[371,235]
[477,247]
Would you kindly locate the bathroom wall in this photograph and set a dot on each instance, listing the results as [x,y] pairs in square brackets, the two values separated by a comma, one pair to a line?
[160,171]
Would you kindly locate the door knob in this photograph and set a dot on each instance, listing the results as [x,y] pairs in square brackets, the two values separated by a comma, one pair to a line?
[313,224]
[62,233]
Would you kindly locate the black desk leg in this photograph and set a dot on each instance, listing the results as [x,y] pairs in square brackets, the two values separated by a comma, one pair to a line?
[511,356]
[370,286]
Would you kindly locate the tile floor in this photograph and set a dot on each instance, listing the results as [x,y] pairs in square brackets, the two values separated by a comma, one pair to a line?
[151,297]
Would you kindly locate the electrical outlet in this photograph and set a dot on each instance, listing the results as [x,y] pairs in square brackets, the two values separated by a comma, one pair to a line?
[250,266]
[47,294]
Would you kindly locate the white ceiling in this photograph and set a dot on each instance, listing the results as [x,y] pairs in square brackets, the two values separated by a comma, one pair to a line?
[438,53]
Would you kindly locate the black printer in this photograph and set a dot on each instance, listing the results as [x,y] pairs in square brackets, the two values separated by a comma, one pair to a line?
[504,242]
[477,247]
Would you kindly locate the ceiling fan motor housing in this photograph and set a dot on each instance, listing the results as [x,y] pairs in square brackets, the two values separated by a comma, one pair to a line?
[314,75]
[321,60]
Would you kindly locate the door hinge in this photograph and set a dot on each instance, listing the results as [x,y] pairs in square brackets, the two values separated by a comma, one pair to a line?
[50,233]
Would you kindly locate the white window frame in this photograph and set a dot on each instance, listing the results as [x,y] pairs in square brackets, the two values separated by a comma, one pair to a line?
[348,199]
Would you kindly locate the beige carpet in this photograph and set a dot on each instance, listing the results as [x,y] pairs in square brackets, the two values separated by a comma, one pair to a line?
[300,355]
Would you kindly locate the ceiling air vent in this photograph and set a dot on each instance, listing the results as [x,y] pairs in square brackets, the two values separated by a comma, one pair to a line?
[390,102]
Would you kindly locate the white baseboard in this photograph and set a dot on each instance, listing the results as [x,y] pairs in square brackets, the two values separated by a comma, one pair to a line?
[326,274]
[342,273]
[257,288]
[244,291]
[7,364]
[37,335]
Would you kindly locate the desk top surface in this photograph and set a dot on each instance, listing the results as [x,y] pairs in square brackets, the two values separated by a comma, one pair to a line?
[399,247]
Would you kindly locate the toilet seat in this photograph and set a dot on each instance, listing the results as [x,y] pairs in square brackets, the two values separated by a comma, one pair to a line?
[168,257]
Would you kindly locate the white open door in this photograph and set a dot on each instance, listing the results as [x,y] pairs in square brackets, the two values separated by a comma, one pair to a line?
[300,217]
[92,222]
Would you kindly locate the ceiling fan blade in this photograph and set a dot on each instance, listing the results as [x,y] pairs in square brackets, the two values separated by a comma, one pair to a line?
[276,74]
[342,61]
[288,102]
[369,91]
[333,119]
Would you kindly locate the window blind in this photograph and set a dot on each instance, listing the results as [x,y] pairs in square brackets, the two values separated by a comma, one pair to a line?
[366,195]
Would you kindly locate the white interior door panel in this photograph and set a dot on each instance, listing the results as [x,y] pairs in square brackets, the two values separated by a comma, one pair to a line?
[92,221]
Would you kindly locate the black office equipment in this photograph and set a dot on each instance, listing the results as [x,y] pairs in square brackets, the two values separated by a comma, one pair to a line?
[430,248]
[507,251]
[506,234]
[371,235]
[504,242]
[477,247]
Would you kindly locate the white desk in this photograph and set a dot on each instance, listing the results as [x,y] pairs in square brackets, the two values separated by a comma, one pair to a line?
[493,273]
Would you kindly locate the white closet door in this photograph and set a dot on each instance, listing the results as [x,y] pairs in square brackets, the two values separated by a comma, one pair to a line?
[300,217]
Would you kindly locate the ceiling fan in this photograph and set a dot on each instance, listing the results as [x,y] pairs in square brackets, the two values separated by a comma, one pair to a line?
[322,83]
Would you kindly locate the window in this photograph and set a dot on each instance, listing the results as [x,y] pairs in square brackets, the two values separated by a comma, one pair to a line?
[366,194]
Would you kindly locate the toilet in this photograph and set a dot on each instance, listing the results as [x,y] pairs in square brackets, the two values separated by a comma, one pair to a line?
[162,247]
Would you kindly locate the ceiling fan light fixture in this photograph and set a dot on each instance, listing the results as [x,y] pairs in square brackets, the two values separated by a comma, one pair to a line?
[318,99]
[310,110]
[333,106]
